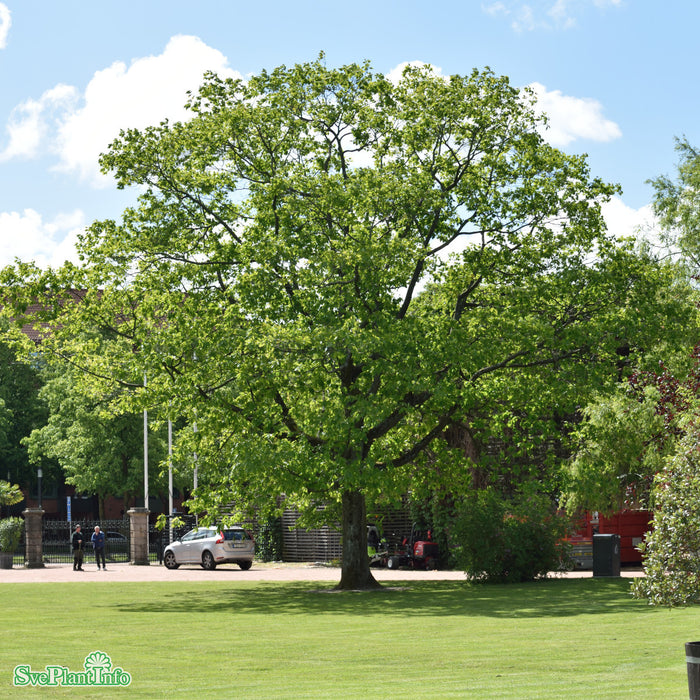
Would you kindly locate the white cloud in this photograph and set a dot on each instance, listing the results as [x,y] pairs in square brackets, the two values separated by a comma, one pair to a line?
[27,236]
[145,93]
[626,221]
[542,14]
[560,14]
[5,24]
[78,128]
[572,118]
[31,122]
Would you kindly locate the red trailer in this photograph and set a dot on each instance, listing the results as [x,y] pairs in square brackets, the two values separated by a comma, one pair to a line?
[631,525]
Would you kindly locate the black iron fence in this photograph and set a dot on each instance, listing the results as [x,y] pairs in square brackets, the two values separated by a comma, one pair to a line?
[57,548]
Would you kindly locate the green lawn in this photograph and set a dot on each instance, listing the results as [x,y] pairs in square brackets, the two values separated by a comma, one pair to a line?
[573,638]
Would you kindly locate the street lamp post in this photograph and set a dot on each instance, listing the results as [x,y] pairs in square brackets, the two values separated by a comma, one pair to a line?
[145,452]
[170,480]
[39,474]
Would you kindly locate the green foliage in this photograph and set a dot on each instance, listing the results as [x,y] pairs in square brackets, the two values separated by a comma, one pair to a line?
[616,458]
[21,411]
[676,204]
[268,540]
[327,269]
[672,548]
[10,534]
[434,500]
[163,522]
[9,493]
[501,540]
[93,435]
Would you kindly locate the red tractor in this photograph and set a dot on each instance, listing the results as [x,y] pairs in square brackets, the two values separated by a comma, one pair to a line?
[417,551]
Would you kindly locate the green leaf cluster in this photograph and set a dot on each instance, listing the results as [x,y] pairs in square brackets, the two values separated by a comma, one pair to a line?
[9,493]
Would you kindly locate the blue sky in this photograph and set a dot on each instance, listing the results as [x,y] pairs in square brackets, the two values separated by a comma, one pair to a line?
[618,79]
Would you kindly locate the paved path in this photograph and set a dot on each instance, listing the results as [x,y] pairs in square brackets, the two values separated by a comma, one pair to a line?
[53,573]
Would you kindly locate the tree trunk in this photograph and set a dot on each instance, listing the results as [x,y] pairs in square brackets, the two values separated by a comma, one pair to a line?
[355,572]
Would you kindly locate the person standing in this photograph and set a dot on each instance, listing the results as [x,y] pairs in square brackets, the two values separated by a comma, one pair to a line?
[98,544]
[78,542]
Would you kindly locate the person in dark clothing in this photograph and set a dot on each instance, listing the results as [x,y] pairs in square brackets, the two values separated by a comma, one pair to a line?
[98,544]
[78,542]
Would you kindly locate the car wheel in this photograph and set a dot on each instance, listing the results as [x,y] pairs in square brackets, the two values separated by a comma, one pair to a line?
[245,565]
[393,563]
[208,562]
[170,561]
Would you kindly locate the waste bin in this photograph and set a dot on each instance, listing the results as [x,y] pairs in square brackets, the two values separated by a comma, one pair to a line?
[692,659]
[606,555]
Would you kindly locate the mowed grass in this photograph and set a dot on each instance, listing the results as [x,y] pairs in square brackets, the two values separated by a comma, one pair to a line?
[564,638]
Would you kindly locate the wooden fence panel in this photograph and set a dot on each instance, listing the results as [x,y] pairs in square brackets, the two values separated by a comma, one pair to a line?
[324,544]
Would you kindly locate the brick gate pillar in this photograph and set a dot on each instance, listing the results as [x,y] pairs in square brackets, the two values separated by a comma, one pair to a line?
[32,532]
[138,536]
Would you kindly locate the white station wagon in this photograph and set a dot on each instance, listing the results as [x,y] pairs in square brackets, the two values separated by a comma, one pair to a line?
[209,546]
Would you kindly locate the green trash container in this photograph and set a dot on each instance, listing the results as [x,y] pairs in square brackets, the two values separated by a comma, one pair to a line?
[606,555]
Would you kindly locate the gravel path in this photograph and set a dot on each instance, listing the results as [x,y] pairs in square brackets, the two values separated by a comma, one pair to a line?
[53,573]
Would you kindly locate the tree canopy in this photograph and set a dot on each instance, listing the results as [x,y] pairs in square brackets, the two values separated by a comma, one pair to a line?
[327,269]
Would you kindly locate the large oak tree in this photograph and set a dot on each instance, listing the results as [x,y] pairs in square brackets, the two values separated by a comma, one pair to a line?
[328,269]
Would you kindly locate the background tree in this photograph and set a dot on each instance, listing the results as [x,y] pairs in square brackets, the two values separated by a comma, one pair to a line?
[21,410]
[617,456]
[625,437]
[99,450]
[327,270]
[670,550]
[671,562]
[676,204]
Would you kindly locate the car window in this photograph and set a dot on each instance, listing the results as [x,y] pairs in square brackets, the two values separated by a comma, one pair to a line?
[236,535]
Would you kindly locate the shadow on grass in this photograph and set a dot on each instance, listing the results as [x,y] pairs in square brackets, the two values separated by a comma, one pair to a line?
[550,598]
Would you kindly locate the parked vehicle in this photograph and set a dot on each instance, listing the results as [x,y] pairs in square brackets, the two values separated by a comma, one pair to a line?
[210,546]
[116,542]
[417,551]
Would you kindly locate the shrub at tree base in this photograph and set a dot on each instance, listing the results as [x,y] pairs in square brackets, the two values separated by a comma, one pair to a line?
[503,540]
[672,547]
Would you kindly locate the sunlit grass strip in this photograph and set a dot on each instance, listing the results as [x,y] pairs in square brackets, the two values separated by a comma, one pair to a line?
[554,639]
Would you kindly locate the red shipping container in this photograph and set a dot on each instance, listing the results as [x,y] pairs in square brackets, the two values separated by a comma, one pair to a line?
[631,525]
